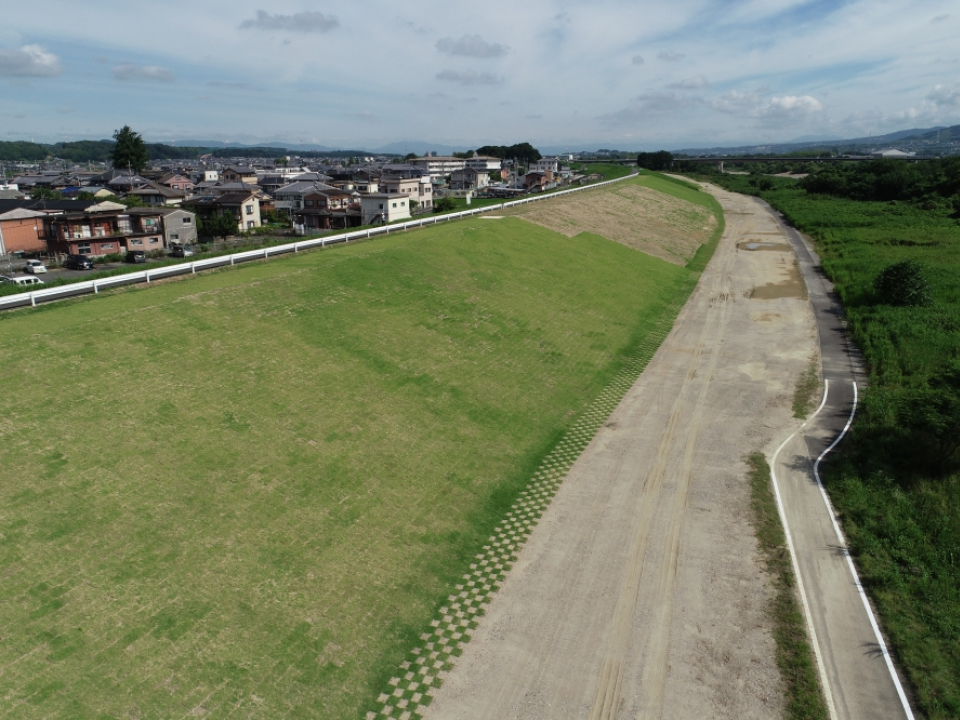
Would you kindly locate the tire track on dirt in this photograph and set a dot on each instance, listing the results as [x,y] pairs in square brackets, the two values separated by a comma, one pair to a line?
[607,701]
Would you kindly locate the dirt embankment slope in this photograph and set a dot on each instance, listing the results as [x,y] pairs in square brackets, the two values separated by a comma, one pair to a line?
[641,592]
[640,217]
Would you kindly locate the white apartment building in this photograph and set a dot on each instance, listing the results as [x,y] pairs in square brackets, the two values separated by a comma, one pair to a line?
[438,166]
[483,163]
[545,165]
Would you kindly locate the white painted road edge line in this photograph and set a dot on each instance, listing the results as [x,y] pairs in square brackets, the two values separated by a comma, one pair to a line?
[827,692]
[853,570]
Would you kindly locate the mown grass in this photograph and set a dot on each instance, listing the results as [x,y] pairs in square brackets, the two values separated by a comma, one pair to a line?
[900,514]
[246,493]
[804,697]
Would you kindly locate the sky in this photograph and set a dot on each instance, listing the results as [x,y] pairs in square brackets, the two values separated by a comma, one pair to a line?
[631,75]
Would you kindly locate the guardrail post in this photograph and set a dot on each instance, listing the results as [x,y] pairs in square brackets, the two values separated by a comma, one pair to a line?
[265,251]
[33,300]
[296,247]
[231,260]
[148,277]
[193,268]
[95,291]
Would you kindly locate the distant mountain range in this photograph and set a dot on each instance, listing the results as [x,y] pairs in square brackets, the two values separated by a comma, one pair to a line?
[931,138]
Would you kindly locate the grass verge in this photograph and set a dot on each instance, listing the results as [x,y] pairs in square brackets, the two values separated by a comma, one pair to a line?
[804,395]
[804,698]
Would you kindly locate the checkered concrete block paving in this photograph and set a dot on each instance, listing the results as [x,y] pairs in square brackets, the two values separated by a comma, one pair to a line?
[421,674]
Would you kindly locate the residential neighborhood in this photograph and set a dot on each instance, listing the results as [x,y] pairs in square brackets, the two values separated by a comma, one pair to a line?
[51,211]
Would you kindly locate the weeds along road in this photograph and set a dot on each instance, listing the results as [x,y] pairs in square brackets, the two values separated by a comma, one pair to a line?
[641,592]
[853,661]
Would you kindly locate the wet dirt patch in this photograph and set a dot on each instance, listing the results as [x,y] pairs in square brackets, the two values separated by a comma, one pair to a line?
[792,286]
[757,245]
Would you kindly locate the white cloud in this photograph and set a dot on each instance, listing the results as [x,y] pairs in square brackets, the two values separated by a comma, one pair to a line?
[694,83]
[29,61]
[306,22]
[945,95]
[670,56]
[737,103]
[471,46]
[638,60]
[794,105]
[649,106]
[468,77]
[155,73]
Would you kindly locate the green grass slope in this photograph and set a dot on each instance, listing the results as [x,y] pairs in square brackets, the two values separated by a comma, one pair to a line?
[245,494]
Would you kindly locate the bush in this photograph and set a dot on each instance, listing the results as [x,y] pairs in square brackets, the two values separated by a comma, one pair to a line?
[903,283]
[444,204]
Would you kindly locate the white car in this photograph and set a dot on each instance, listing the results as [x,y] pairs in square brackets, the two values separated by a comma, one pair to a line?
[22,281]
[34,267]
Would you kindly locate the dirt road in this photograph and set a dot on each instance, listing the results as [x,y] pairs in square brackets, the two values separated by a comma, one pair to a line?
[853,661]
[640,593]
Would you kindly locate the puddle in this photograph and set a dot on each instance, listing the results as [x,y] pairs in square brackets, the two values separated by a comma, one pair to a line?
[764,245]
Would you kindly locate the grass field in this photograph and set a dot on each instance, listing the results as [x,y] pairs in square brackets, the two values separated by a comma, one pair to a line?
[244,494]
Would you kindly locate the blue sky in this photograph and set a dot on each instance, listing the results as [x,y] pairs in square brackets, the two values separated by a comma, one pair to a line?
[608,73]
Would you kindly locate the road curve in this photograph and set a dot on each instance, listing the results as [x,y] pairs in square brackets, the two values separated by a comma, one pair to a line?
[852,657]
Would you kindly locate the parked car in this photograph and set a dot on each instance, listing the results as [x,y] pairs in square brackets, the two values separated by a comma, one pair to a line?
[78,262]
[181,251]
[34,267]
[24,281]
[136,256]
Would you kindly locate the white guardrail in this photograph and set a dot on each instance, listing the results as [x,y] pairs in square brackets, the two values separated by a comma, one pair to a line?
[35,297]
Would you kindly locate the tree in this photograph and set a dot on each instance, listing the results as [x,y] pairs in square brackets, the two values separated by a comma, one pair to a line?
[130,150]
[221,226]
[660,160]
[410,156]
[903,283]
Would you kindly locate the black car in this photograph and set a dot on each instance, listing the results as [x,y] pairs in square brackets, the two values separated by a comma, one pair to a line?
[78,262]
[136,256]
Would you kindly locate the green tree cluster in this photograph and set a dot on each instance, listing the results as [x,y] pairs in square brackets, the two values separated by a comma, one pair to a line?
[523,152]
[660,160]
[130,150]
[904,283]
[222,226]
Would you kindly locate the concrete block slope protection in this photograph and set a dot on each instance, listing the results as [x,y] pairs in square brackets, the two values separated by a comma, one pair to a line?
[93,287]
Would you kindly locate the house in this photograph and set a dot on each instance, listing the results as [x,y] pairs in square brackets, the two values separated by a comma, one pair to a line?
[244,206]
[156,194]
[21,231]
[103,229]
[291,197]
[417,188]
[176,181]
[534,181]
[469,179]
[382,208]
[326,210]
[179,227]
[238,174]
[545,165]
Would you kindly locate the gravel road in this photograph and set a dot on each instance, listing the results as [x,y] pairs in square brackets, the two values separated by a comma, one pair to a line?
[641,592]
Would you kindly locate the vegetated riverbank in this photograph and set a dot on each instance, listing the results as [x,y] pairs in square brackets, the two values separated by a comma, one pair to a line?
[896,481]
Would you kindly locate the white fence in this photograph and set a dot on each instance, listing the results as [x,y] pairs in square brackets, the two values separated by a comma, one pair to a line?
[186,268]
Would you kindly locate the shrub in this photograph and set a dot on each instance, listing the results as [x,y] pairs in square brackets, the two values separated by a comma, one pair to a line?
[903,283]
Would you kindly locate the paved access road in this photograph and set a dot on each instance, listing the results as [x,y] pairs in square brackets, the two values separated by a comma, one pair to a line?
[853,661]
[641,592]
